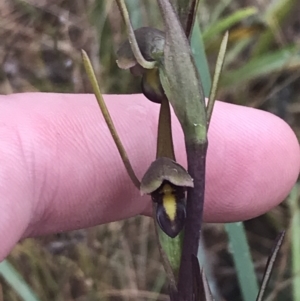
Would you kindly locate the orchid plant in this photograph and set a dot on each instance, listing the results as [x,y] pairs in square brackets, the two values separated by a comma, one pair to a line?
[164,61]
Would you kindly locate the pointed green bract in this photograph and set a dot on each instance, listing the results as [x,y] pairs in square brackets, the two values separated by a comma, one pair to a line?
[186,10]
[91,75]
[180,78]
[217,74]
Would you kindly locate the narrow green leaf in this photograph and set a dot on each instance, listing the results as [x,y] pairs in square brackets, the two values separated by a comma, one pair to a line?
[242,259]
[218,10]
[180,78]
[200,58]
[217,74]
[186,11]
[91,75]
[172,248]
[293,202]
[15,280]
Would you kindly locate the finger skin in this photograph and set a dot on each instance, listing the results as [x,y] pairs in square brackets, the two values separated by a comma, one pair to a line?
[60,169]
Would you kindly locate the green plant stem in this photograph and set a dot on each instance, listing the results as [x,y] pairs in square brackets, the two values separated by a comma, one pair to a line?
[183,88]
[242,259]
[91,74]
[131,37]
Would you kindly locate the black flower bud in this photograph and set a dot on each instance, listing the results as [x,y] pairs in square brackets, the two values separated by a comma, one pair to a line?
[151,42]
[166,181]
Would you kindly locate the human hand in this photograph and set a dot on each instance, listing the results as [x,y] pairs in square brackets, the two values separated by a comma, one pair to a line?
[60,169]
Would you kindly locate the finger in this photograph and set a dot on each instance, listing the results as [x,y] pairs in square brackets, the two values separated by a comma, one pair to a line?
[253,162]
[73,176]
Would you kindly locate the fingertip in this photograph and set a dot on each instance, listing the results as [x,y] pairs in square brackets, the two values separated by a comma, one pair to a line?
[253,162]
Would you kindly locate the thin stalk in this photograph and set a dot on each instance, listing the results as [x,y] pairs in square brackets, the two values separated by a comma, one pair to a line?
[196,156]
[131,37]
[217,74]
[91,74]
[269,267]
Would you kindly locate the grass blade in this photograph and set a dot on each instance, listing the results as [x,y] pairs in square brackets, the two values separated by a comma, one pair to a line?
[224,24]
[199,55]
[295,241]
[277,12]
[283,59]
[242,260]
[14,279]
[269,267]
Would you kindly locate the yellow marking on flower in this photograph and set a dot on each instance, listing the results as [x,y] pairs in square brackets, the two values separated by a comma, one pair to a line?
[169,201]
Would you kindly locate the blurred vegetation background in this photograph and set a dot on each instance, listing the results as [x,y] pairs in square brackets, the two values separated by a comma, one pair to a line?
[40,51]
